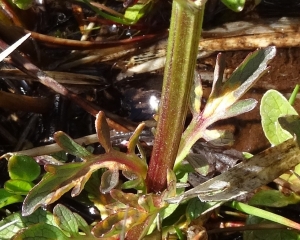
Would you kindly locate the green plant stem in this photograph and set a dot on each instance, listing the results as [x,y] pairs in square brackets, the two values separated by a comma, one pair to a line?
[263,214]
[185,30]
[294,94]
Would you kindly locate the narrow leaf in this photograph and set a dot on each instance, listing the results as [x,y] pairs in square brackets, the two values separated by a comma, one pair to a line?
[102,130]
[13,47]
[196,95]
[70,146]
[238,108]
[273,198]
[133,141]
[264,233]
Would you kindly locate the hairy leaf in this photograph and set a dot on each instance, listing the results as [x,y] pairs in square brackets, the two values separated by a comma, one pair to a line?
[23,168]
[274,105]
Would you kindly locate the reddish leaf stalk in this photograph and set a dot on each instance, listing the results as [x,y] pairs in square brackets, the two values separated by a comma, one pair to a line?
[185,29]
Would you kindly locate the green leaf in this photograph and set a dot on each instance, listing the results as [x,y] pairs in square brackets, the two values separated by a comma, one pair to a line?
[137,11]
[273,198]
[239,107]
[234,5]
[223,95]
[7,198]
[199,162]
[59,179]
[265,234]
[196,207]
[23,4]
[70,146]
[23,167]
[10,225]
[291,123]
[82,224]
[17,186]
[40,231]
[65,219]
[274,105]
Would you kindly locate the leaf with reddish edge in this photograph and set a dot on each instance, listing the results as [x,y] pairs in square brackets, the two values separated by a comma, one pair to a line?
[223,100]
[119,222]
[102,130]
[60,179]
[250,70]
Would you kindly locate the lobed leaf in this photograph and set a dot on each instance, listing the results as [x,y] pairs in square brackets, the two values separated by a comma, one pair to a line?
[121,221]
[274,105]
[59,179]
[249,71]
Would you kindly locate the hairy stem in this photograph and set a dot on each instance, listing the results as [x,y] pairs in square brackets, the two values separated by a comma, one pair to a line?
[185,30]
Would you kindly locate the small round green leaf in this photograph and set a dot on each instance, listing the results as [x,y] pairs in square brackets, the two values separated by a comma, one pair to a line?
[23,167]
[18,186]
[7,198]
[234,5]
[274,105]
